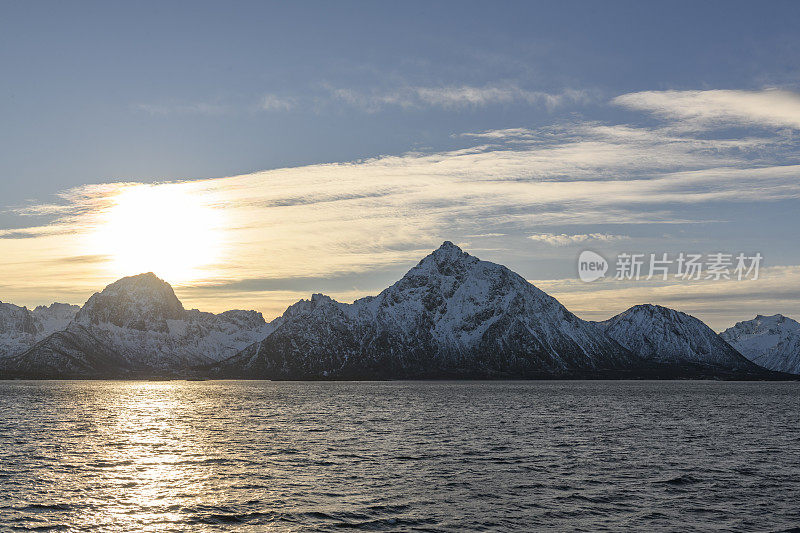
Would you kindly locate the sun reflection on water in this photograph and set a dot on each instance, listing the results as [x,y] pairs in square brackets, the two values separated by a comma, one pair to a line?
[148,457]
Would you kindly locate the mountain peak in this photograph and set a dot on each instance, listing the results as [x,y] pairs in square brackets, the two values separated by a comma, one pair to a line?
[765,323]
[651,308]
[449,253]
[770,341]
[776,317]
[649,313]
[144,302]
[658,312]
[145,277]
[659,333]
[146,284]
[448,247]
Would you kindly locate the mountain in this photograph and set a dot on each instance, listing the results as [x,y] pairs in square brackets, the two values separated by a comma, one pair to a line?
[72,353]
[141,303]
[137,325]
[452,315]
[670,337]
[21,328]
[769,341]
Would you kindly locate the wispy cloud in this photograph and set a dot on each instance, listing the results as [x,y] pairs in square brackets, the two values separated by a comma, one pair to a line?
[273,102]
[452,97]
[703,109]
[504,134]
[267,102]
[481,96]
[367,212]
[197,108]
[563,239]
[355,217]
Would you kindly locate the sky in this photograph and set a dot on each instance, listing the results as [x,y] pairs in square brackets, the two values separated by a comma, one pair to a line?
[253,153]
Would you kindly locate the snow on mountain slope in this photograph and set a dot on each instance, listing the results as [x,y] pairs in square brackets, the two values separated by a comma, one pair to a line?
[664,335]
[21,328]
[452,314]
[142,303]
[72,353]
[769,341]
[140,321]
[54,318]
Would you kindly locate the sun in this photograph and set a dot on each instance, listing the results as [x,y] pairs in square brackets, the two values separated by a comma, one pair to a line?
[167,229]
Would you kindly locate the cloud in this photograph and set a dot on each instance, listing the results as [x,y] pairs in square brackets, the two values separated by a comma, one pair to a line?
[198,108]
[505,134]
[83,259]
[562,239]
[704,109]
[11,234]
[352,218]
[273,102]
[481,96]
[454,97]
[267,102]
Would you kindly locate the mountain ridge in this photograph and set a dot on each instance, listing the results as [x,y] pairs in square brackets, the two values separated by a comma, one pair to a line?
[136,325]
[21,328]
[452,315]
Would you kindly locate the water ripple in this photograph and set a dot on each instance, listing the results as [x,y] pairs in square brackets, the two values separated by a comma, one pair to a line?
[399,456]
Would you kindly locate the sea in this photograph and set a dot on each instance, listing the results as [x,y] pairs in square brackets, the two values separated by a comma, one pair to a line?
[399,456]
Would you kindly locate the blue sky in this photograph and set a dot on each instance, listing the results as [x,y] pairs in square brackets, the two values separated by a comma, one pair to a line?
[151,92]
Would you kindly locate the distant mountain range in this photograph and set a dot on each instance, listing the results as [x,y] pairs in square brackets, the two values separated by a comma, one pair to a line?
[451,316]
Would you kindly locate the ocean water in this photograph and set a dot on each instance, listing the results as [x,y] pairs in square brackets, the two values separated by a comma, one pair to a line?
[399,456]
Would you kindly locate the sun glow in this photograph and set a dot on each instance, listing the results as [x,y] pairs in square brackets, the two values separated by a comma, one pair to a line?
[167,229]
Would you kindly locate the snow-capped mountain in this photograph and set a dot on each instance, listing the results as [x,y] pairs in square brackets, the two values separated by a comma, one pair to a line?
[21,328]
[451,315]
[142,303]
[769,341]
[138,324]
[667,336]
